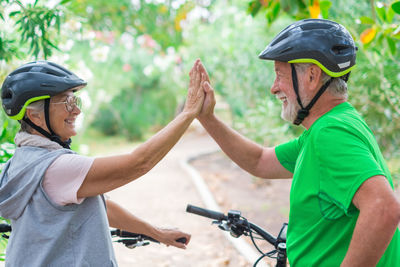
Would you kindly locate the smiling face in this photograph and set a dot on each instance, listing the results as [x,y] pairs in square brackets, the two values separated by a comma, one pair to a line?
[283,90]
[61,121]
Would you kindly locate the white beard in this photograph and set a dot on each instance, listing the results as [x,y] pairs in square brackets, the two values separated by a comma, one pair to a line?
[289,113]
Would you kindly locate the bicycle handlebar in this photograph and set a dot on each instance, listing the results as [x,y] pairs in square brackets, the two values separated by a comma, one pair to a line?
[121,233]
[206,213]
[127,238]
[220,216]
[237,225]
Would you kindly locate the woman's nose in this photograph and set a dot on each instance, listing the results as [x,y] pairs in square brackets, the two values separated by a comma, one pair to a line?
[76,110]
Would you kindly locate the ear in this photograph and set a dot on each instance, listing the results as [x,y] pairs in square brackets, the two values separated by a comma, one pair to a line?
[314,75]
[36,117]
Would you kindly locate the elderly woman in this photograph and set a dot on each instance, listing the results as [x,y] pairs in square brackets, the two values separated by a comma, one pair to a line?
[53,196]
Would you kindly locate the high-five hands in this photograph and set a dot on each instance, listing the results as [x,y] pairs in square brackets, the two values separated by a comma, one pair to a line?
[195,95]
[199,77]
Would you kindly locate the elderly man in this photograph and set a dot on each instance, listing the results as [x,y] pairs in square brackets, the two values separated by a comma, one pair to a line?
[343,211]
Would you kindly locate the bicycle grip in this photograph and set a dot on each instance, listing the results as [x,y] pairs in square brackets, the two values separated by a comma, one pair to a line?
[205,212]
[181,240]
[5,228]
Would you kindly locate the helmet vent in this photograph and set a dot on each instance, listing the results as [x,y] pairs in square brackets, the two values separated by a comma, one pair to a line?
[280,38]
[6,94]
[55,73]
[340,49]
[286,50]
[47,85]
[315,26]
[59,67]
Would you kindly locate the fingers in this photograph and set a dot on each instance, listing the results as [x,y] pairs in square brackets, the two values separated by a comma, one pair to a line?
[207,87]
[198,69]
[193,73]
[203,70]
[180,244]
[207,109]
[194,66]
[195,95]
[174,235]
[210,98]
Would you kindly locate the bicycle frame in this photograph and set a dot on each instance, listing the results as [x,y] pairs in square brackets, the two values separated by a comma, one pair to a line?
[237,225]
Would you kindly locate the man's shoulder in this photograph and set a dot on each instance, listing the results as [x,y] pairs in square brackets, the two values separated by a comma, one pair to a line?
[342,118]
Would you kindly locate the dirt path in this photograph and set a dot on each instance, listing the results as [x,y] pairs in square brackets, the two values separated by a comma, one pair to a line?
[160,197]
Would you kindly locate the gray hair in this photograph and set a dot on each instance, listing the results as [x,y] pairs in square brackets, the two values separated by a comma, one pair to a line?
[37,107]
[338,86]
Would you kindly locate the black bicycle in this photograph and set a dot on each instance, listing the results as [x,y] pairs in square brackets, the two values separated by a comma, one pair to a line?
[237,225]
[130,240]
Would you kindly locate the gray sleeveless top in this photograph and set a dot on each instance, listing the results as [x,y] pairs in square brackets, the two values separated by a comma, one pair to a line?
[44,233]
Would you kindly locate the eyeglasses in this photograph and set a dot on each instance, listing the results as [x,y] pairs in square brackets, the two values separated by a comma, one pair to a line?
[71,102]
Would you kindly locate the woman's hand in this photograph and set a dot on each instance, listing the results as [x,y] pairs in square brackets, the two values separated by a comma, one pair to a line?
[121,218]
[195,96]
[169,237]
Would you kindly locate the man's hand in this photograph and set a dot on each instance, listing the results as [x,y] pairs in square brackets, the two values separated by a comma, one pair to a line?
[209,102]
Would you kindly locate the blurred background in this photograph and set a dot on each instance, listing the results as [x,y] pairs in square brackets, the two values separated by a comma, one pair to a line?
[136,55]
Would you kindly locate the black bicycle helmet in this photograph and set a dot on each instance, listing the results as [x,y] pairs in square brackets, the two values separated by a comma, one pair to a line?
[322,42]
[36,81]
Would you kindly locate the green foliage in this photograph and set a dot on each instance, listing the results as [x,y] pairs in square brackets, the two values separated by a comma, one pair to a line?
[7,132]
[135,111]
[8,48]
[140,95]
[228,44]
[374,84]
[36,26]
[298,9]
[159,20]
[92,28]
[396,7]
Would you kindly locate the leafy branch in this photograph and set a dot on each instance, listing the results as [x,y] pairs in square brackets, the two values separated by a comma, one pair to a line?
[36,25]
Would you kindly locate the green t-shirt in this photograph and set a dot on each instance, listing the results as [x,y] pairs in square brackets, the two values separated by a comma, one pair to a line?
[330,161]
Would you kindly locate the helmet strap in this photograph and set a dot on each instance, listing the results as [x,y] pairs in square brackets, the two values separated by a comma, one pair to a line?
[48,135]
[47,115]
[345,77]
[305,111]
[52,136]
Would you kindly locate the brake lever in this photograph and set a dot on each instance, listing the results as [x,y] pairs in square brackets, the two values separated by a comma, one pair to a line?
[223,225]
[142,243]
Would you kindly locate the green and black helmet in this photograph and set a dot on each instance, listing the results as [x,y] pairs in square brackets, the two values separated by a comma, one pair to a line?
[322,42]
[35,81]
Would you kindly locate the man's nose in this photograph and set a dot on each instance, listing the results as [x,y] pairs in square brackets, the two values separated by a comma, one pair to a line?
[274,89]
